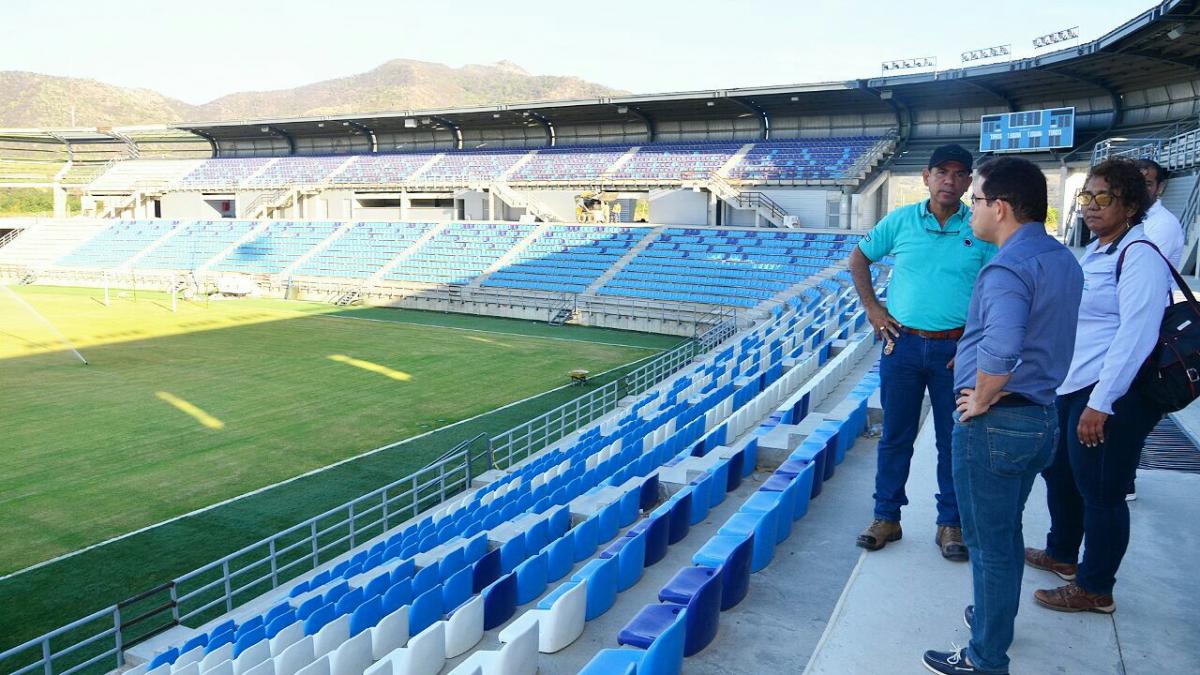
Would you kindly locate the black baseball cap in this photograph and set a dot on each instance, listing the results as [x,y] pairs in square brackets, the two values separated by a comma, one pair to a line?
[951,153]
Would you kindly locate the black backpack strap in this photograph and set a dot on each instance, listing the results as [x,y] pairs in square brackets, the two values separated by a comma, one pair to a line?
[1187,291]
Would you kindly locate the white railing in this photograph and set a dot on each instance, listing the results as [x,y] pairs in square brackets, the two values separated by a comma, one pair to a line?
[96,643]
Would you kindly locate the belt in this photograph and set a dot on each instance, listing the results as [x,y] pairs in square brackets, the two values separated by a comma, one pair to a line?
[952,334]
[1010,400]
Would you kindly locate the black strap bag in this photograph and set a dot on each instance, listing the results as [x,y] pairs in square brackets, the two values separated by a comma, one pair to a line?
[1170,377]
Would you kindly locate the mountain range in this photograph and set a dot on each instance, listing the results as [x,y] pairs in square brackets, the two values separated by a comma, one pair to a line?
[37,100]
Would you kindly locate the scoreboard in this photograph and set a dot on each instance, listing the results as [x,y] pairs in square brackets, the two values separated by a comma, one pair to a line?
[1029,131]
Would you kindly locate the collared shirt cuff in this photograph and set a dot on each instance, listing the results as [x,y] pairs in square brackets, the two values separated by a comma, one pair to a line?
[1100,401]
[995,365]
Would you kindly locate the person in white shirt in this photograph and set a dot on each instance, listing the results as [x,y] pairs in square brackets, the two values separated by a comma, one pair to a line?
[1162,227]
[1104,418]
[1164,230]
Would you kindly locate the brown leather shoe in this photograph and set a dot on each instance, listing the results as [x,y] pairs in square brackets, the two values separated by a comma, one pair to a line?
[949,539]
[1072,598]
[879,534]
[1038,559]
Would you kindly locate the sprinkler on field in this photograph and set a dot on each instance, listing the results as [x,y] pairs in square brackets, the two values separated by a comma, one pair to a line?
[46,322]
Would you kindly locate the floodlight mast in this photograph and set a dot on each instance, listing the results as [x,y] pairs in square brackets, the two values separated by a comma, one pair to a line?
[909,64]
[1056,37]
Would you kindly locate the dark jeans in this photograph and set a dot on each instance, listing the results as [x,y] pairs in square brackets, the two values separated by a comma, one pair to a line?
[1085,487]
[997,456]
[915,365]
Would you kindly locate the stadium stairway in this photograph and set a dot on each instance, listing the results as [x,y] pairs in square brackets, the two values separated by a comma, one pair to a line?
[429,234]
[319,248]
[510,255]
[424,168]
[620,162]
[634,252]
[447,577]
[154,245]
[249,236]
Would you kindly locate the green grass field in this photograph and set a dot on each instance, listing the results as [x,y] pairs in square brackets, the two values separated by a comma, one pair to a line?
[178,411]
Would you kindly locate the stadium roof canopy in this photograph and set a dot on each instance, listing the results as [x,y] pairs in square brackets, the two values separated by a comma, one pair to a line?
[1142,75]
[1159,46]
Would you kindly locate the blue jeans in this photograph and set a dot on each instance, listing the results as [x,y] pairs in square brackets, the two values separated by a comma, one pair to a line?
[997,456]
[915,365]
[1085,487]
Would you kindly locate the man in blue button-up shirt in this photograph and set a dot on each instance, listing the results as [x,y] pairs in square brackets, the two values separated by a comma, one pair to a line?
[1014,353]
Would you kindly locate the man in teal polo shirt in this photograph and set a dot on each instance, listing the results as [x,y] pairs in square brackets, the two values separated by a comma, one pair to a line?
[936,261]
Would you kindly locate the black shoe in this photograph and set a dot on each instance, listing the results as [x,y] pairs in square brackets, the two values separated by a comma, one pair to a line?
[950,663]
[969,616]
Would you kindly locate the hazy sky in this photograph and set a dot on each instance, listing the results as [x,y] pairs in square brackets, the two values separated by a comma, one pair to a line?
[197,51]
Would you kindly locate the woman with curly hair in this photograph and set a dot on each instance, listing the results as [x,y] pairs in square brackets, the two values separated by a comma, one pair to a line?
[1103,420]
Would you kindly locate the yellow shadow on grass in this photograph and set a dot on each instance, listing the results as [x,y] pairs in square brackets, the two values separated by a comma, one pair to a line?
[199,415]
[373,367]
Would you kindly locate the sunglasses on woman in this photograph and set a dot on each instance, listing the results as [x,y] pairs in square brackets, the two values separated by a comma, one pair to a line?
[1102,199]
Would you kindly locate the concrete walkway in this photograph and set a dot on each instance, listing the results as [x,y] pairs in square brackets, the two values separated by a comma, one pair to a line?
[905,599]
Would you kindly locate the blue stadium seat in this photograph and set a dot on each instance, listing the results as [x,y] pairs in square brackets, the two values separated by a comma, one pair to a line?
[631,555]
[663,657]
[426,608]
[499,601]
[731,555]
[699,589]
[601,575]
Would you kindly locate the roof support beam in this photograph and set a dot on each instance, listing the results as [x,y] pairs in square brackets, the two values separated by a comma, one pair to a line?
[901,111]
[366,130]
[1193,64]
[764,120]
[291,141]
[1118,109]
[551,139]
[212,141]
[645,117]
[458,142]
[1008,100]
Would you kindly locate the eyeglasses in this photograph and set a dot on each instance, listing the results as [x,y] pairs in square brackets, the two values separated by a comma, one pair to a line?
[989,200]
[1102,199]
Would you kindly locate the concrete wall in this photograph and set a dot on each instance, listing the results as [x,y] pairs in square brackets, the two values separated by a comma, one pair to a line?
[191,205]
[339,204]
[562,202]
[679,207]
[475,205]
[807,205]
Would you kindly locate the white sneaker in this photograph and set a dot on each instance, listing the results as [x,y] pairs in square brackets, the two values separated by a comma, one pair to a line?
[1131,497]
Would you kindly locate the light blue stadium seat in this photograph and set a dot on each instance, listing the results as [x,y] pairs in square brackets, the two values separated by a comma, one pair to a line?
[601,575]
[512,552]
[631,559]
[425,579]
[399,595]
[457,589]
[732,556]
[560,558]
[426,608]
[663,657]
[531,578]
[366,615]
[586,538]
[277,624]
[317,620]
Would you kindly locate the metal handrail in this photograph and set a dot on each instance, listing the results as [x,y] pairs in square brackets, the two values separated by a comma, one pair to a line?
[449,474]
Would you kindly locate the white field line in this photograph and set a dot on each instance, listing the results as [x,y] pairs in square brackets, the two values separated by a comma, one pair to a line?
[303,475]
[491,332]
